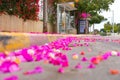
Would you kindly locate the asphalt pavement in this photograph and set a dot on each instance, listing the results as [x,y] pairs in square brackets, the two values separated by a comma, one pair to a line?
[101,72]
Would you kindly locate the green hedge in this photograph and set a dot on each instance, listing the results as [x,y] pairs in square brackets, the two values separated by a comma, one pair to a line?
[103,34]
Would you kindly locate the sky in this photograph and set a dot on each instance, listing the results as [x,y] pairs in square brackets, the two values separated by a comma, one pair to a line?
[114,8]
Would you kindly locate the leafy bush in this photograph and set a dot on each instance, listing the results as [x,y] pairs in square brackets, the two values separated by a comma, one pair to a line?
[103,34]
[26,9]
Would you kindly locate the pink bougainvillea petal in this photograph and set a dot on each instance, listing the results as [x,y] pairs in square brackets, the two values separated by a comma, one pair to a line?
[78,66]
[114,72]
[12,78]
[14,68]
[114,53]
[89,50]
[91,66]
[9,66]
[106,55]
[95,60]
[118,54]
[82,53]
[21,58]
[84,59]
[65,64]
[36,70]
[61,70]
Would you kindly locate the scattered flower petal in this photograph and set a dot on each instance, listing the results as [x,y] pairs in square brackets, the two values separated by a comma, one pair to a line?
[12,78]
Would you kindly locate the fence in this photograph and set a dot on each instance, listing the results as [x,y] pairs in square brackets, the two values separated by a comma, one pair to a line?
[13,23]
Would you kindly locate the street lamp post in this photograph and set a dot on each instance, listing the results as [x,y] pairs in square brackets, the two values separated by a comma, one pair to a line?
[113,21]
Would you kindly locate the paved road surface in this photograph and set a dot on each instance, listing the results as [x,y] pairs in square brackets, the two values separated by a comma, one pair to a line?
[101,72]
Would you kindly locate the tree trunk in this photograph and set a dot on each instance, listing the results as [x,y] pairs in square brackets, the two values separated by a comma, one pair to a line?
[86,27]
[44,16]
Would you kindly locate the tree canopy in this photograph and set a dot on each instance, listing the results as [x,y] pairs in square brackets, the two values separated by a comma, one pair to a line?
[109,27]
[93,7]
[96,18]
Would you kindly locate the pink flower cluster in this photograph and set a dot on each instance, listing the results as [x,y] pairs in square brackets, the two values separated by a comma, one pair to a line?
[84,15]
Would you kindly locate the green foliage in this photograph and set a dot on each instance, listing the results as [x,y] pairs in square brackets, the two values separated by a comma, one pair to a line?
[93,7]
[118,27]
[96,18]
[108,26]
[115,28]
[103,34]
[102,30]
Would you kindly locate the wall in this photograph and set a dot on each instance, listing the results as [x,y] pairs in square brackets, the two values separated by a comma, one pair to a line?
[13,23]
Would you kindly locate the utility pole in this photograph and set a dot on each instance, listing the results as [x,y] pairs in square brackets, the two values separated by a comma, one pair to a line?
[113,21]
[44,15]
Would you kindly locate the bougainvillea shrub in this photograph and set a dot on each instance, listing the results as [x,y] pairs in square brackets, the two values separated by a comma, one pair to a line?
[26,9]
